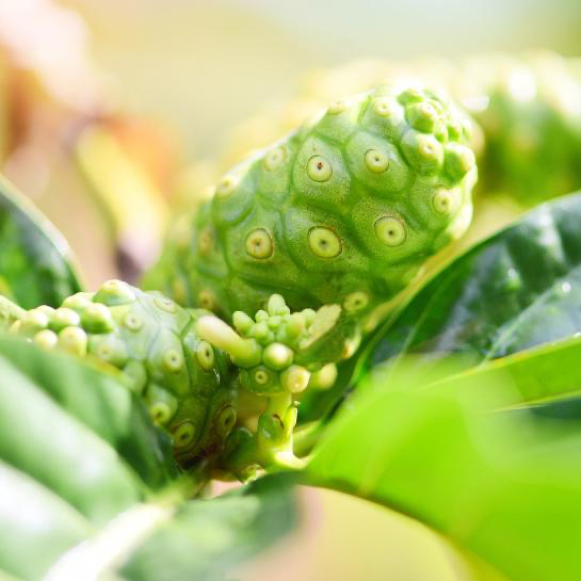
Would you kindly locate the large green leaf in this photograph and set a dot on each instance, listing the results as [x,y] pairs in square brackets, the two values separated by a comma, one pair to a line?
[515,290]
[89,484]
[506,487]
[35,263]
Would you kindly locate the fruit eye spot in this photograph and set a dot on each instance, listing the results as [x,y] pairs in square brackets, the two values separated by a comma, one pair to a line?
[160,413]
[172,360]
[205,241]
[183,435]
[376,161]
[165,305]
[356,301]
[390,231]
[274,159]
[324,242]
[427,110]
[104,352]
[261,377]
[259,243]
[337,107]
[226,420]
[383,107]
[444,202]
[206,300]
[226,186]
[133,322]
[205,355]
[319,169]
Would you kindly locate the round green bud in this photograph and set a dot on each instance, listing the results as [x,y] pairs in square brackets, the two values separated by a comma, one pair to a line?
[261,316]
[113,293]
[78,301]
[242,322]
[277,305]
[46,339]
[74,340]
[96,318]
[45,309]
[34,320]
[295,379]
[310,315]
[64,317]
[277,356]
[324,378]
[260,331]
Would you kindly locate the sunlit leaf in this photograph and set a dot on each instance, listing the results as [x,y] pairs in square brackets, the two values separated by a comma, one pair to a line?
[506,487]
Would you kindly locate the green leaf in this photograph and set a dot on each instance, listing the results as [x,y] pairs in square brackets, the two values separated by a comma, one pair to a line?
[515,290]
[542,375]
[35,262]
[88,483]
[506,487]
[206,537]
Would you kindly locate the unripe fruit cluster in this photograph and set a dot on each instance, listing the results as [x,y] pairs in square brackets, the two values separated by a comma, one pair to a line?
[152,342]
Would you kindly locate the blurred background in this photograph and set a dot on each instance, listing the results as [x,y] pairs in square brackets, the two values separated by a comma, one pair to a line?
[113,113]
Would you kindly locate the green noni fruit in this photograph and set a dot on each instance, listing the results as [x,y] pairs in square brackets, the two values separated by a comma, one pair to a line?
[345,211]
[153,343]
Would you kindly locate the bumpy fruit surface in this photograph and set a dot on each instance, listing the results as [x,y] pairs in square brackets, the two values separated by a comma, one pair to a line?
[344,211]
[153,342]
[526,106]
